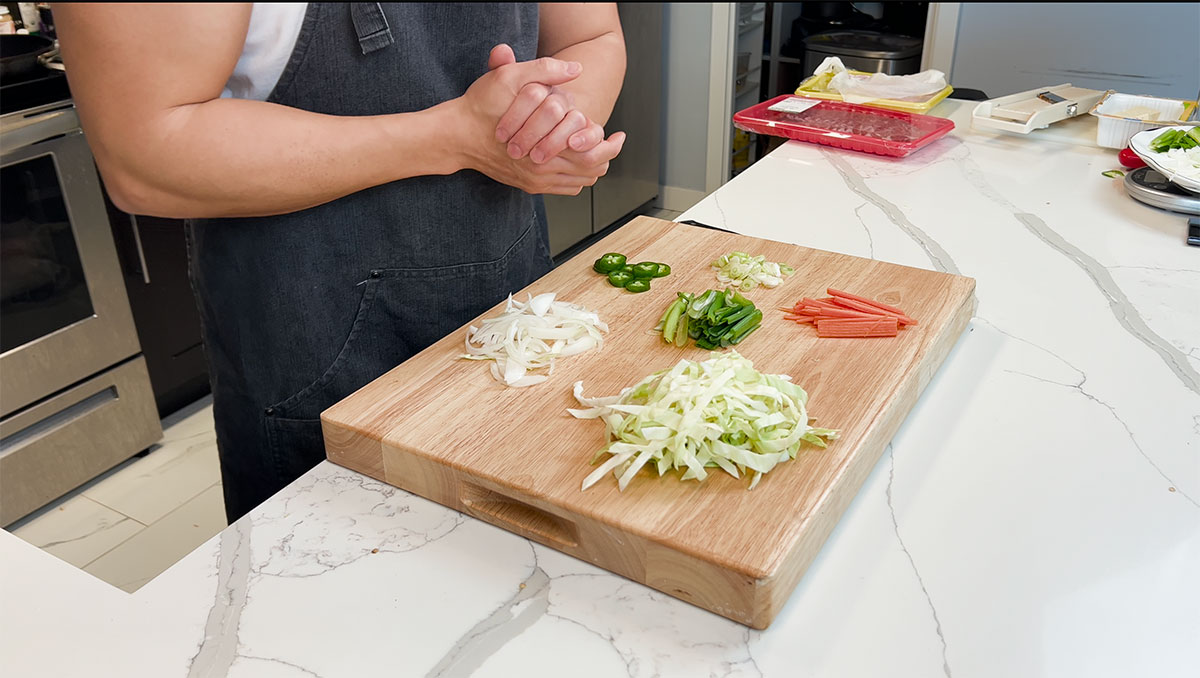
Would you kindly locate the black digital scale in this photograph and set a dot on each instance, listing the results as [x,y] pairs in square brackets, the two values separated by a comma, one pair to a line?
[1148,185]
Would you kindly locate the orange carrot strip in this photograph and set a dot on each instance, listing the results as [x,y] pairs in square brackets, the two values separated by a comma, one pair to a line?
[817,302]
[877,304]
[812,310]
[854,327]
[847,313]
[867,308]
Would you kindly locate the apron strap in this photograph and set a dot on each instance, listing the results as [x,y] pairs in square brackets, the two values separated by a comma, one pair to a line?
[371,26]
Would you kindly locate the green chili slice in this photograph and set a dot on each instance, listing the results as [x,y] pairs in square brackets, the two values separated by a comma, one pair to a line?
[619,278]
[609,263]
[637,285]
[645,270]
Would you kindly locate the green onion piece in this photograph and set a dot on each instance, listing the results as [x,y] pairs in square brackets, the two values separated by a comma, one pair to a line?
[1112,174]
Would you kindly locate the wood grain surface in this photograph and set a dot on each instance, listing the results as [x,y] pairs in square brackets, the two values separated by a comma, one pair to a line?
[442,428]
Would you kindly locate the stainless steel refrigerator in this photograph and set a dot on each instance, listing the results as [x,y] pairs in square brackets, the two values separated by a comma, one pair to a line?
[633,176]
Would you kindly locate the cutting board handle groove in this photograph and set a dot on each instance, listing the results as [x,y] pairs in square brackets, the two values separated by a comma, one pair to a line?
[519,517]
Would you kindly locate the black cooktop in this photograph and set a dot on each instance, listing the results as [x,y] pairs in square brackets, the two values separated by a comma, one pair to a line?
[43,86]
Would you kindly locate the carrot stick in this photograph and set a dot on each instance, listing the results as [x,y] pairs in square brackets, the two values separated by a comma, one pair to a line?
[847,313]
[854,327]
[868,308]
[879,305]
[818,302]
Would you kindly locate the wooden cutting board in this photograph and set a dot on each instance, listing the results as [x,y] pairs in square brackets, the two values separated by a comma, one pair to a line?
[442,428]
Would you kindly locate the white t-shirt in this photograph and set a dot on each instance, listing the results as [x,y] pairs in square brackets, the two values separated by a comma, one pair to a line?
[270,40]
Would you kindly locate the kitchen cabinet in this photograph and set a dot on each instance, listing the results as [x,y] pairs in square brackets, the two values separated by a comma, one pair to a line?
[633,176]
[154,262]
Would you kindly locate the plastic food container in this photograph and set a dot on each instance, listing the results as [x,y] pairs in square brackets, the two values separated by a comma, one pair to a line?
[1115,130]
[843,125]
[815,87]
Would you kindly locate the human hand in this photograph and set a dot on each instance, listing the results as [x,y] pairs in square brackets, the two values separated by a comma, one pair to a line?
[542,120]
[566,174]
[489,98]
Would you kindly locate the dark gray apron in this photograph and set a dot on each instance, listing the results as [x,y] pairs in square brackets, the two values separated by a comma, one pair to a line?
[302,309]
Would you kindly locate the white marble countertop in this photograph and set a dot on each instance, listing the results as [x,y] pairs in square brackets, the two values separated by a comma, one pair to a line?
[1036,515]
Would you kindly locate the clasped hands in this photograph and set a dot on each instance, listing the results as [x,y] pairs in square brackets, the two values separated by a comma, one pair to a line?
[523,130]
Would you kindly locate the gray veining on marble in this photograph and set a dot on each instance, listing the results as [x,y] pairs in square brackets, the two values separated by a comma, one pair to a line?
[866,229]
[509,620]
[1122,309]
[938,256]
[937,623]
[220,644]
[1078,388]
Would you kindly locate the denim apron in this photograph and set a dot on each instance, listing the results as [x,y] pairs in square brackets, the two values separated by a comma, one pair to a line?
[302,309]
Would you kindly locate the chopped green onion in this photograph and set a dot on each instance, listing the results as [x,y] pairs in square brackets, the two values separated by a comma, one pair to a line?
[714,319]
[747,272]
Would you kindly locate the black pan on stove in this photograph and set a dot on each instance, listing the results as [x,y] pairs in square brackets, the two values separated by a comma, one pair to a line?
[21,55]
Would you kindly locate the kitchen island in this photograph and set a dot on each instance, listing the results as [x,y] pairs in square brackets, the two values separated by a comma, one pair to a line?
[1037,514]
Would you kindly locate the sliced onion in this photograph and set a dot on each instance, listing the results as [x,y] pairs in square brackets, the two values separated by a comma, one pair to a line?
[531,335]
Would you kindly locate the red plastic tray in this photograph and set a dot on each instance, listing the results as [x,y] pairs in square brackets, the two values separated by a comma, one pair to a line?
[843,125]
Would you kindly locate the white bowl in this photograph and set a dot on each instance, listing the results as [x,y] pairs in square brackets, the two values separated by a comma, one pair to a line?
[1140,143]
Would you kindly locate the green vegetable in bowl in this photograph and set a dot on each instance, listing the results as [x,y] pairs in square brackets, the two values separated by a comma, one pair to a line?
[1176,138]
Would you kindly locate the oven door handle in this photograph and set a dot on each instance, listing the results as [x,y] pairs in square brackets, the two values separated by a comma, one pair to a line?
[39,127]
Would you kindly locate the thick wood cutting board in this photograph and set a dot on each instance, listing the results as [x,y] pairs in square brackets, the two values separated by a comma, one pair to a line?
[442,428]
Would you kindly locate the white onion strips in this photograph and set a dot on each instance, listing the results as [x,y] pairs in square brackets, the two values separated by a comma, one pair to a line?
[531,335]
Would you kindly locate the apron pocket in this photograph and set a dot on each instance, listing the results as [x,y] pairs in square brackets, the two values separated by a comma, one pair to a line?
[404,310]
[296,445]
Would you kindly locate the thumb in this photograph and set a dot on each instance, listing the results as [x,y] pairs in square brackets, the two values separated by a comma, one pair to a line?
[501,55]
[547,71]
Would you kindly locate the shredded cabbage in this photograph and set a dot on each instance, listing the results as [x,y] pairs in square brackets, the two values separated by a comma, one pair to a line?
[747,272]
[720,413]
[531,335]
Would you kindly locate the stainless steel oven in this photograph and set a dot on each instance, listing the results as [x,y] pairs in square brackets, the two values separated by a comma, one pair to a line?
[75,398]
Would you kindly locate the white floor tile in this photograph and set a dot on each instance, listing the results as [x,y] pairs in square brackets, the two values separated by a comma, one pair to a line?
[162,544]
[180,467]
[78,530]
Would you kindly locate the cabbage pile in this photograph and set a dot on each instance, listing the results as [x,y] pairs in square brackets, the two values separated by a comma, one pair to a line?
[719,413]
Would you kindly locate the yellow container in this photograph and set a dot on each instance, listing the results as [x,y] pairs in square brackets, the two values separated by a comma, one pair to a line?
[816,87]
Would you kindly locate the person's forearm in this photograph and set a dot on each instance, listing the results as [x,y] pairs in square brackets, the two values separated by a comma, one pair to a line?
[231,157]
[595,90]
